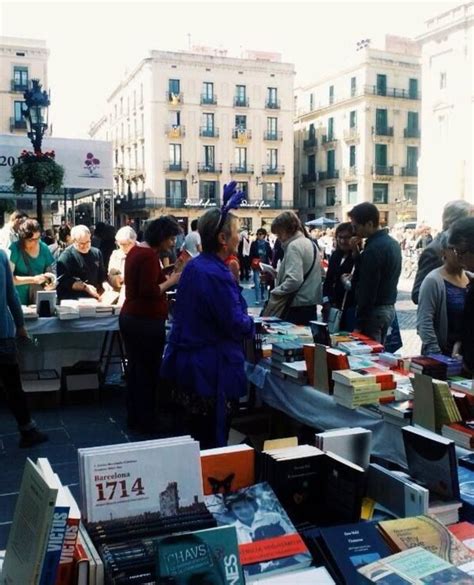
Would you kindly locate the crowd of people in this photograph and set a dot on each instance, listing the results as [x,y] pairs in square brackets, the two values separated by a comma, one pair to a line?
[349,273]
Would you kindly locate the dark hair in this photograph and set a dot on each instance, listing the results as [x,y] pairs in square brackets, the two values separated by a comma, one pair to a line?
[236,498]
[159,230]
[99,229]
[28,228]
[346,226]
[194,225]
[261,231]
[208,228]
[365,212]
[462,231]
[63,232]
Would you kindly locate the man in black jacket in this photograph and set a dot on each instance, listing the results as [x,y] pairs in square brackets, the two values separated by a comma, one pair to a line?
[431,256]
[377,277]
[461,238]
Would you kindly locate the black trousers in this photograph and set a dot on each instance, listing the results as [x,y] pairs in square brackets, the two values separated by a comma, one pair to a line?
[144,340]
[16,399]
[301,315]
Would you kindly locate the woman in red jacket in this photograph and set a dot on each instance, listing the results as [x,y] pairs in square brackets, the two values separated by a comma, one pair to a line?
[142,320]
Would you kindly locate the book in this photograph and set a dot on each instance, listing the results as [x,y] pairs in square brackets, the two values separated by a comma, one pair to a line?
[66,562]
[295,369]
[464,531]
[288,348]
[462,384]
[268,541]
[354,444]
[271,444]
[31,527]
[416,566]
[351,546]
[466,490]
[425,531]
[320,333]
[227,469]
[308,352]
[432,461]
[81,563]
[461,433]
[204,556]
[311,576]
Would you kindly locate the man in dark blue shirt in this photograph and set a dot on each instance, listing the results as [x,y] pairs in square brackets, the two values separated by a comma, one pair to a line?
[376,280]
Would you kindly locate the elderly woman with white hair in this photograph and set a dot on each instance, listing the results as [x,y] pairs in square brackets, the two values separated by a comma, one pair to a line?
[125,239]
[81,272]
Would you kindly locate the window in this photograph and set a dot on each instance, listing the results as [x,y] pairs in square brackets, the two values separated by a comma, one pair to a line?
[381,155]
[20,78]
[352,156]
[241,93]
[311,101]
[312,198]
[272,158]
[272,193]
[353,86]
[380,193]
[240,157]
[272,94]
[208,190]
[18,109]
[330,128]
[209,157]
[412,158]
[175,155]
[413,89]
[175,193]
[352,194]
[381,84]
[311,164]
[208,90]
[208,122]
[410,193]
[244,187]
[175,119]
[272,126]
[412,121]
[174,86]
[241,122]
[330,159]
[442,80]
[312,131]
[331,94]
[330,196]
[353,119]
[381,119]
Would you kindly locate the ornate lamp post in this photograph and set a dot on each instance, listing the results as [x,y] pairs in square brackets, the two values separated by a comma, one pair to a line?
[36,113]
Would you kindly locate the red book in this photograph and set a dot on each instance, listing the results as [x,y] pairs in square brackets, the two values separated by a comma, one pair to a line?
[464,531]
[308,351]
[81,564]
[65,574]
[227,469]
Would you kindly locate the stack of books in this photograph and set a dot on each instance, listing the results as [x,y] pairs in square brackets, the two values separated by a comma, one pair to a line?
[452,366]
[29,312]
[462,433]
[398,413]
[428,366]
[354,444]
[355,347]
[462,384]
[285,352]
[352,389]
[296,371]
[67,312]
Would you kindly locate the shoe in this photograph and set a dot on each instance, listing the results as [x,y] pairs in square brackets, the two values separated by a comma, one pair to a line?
[31,438]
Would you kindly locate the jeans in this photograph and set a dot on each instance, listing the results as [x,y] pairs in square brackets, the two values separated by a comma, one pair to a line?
[144,340]
[260,290]
[16,399]
[377,321]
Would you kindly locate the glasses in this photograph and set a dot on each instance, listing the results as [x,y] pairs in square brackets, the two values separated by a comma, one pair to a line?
[34,239]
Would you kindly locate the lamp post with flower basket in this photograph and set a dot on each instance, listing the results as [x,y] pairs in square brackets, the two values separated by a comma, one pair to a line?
[37,169]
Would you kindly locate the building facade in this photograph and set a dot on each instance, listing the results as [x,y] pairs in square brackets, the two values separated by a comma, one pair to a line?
[357,136]
[447,113]
[185,123]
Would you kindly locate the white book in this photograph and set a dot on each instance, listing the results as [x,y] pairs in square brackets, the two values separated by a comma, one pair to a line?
[352,444]
[312,576]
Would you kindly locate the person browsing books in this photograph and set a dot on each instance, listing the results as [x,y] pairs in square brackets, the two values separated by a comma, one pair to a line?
[204,358]
[125,239]
[260,251]
[142,320]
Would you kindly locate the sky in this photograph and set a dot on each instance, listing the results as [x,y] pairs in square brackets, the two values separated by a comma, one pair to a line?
[93,44]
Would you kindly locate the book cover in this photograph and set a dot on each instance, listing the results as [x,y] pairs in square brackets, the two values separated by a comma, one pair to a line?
[352,546]
[66,561]
[353,444]
[206,556]
[464,531]
[31,527]
[425,531]
[311,576]
[268,541]
[432,461]
[416,566]
[227,469]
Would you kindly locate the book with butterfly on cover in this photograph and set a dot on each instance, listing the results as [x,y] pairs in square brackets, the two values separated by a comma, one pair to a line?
[227,469]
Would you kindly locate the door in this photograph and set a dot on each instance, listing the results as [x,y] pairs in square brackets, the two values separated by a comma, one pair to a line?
[412,158]
[413,89]
[381,84]
[330,162]
[381,121]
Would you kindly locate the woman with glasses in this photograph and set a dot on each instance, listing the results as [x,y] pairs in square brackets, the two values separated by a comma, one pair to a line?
[31,262]
[81,271]
[441,304]
[336,288]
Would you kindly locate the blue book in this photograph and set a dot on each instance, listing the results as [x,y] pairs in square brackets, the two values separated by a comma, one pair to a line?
[352,546]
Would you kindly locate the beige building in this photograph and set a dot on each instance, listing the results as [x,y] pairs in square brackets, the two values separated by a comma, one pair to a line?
[357,136]
[447,112]
[185,123]
[21,60]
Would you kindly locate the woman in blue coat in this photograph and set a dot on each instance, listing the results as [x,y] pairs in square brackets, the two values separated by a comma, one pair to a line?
[204,358]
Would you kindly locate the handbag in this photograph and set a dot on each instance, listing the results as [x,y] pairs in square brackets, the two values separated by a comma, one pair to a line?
[335,314]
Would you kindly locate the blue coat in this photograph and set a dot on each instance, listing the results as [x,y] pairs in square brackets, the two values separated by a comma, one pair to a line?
[205,349]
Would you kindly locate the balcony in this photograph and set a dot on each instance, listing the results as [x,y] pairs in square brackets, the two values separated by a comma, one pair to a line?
[16,86]
[409,172]
[174,99]
[351,135]
[174,132]
[273,170]
[17,124]
[382,133]
[207,132]
[272,104]
[276,203]
[309,178]
[350,174]
[241,134]
[332,175]
[241,169]
[208,100]
[138,204]
[392,92]
[328,141]
[212,168]
[310,143]
[379,171]
[137,174]
[272,135]
[411,133]
[176,167]
[175,202]
[241,102]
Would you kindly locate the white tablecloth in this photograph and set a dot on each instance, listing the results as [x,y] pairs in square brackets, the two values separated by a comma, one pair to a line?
[52,325]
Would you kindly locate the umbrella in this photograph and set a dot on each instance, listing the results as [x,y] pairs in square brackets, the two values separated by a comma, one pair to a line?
[322,222]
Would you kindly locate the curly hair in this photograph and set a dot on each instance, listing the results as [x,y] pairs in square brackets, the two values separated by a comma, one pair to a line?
[159,230]
[27,229]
